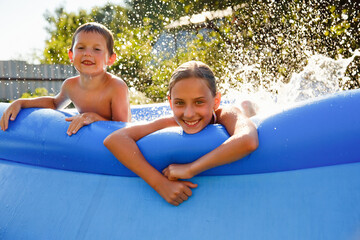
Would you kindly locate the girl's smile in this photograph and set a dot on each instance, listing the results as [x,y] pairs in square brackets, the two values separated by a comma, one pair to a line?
[191,124]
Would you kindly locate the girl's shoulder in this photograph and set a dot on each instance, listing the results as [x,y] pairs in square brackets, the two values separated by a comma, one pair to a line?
[246,108]
[228,110]
[229,115]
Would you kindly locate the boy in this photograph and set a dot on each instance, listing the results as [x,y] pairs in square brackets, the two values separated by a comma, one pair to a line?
[96,94]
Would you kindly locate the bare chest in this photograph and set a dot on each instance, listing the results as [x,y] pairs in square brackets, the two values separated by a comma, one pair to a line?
[92,101]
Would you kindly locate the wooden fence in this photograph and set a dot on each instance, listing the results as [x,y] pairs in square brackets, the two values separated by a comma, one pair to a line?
[18,77]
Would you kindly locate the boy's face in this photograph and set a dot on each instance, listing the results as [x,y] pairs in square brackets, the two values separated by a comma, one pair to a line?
[90,55]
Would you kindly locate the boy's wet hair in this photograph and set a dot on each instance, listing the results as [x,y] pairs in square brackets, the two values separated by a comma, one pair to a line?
[98,28]
[194,69]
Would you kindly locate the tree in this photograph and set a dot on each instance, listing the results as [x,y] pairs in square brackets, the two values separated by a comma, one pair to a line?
[132,45]
[61,27]
[274,38]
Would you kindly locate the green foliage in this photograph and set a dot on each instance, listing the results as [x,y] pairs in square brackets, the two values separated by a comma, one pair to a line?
[133,46]
[274,39]
[280,36]
[137,97]
[271,38]
[159,13]
[62,26]
[39,92]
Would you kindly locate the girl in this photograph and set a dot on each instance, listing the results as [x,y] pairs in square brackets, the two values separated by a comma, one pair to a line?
[195,102]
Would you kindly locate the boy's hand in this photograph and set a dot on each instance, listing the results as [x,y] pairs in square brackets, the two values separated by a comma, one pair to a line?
[178,171]
[175,192]
[10,113]
[78,121]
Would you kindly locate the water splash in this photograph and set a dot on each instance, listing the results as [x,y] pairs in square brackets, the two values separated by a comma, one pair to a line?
[321,76]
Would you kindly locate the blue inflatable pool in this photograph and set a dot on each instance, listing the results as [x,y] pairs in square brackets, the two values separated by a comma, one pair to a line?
[302,182]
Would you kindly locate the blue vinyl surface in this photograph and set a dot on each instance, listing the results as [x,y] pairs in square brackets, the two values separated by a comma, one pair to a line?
[312,204]
[326,129]
[302,182]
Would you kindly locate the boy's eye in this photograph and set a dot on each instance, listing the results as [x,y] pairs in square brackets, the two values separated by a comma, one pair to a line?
[97,49]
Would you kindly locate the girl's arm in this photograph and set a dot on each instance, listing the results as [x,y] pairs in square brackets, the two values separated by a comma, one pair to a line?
[242,141]
[122,143]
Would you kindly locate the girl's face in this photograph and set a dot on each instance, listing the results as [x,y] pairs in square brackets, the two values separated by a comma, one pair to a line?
[193,104]
[90,55]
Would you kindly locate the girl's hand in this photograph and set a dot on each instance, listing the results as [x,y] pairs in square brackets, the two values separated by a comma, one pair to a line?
[78,121]
[10,113]
[178,171]
[175,192]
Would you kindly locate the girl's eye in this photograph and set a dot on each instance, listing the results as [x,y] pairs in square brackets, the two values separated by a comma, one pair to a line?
[97,49]
[179,103]
[199,102]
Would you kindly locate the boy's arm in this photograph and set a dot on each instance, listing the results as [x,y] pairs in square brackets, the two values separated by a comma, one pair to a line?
[40,102]
[83,119]
[242,141]
[122,143]
[120,103]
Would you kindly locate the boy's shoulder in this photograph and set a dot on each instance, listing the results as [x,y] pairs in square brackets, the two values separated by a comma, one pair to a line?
[116,81]
[72,80]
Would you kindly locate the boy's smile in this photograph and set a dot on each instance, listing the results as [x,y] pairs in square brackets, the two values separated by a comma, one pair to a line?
[87,62]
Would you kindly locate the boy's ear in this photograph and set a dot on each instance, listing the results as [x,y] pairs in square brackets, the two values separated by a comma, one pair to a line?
[70,54]
[217,100]
[112,59]
[169,98]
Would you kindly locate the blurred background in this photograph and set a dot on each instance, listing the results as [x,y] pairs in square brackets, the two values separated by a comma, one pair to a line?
[254,47]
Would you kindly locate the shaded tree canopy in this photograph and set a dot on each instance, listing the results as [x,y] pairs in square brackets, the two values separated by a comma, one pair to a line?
[276,37]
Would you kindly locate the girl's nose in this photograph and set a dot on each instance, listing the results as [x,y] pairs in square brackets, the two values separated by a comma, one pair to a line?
[189,112]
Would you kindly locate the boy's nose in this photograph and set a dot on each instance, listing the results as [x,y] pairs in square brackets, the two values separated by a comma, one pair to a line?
[87,52]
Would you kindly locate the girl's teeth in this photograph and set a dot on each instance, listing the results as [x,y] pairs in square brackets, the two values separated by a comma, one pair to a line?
[191,123]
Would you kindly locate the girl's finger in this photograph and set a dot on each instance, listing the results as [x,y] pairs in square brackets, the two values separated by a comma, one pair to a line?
[175,203]
[188,191]
[171,178]
[165,172]
[183,196]
[179,200]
